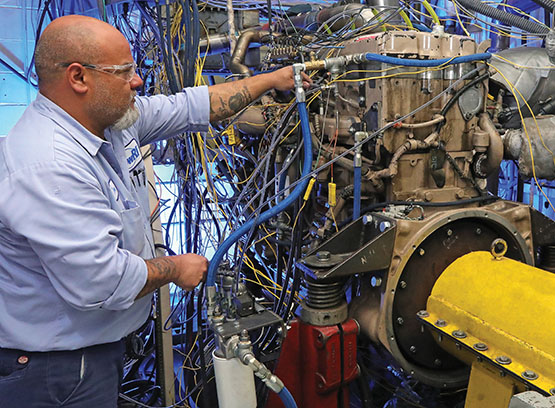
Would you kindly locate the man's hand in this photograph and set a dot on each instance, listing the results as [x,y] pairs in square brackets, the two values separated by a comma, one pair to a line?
[186,271]
[191,270]
[282,79]
[229,98]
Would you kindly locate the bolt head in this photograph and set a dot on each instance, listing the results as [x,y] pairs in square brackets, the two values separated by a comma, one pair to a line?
[323,255]
[478,231]
[423,313]
[504,360]
[459,334]
[437,362]
[530,375]
[480,346]
[440,323]
[552,391]
[400,321]
[421,252]
[449,232]
[402,284]
[412,349]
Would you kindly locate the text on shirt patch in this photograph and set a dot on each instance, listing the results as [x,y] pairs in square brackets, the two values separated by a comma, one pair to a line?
[132,154]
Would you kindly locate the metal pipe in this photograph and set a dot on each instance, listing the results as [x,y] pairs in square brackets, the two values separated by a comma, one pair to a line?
[236,65]
[495,148]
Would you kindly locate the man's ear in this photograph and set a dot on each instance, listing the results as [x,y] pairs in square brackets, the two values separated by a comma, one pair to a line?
[78,78]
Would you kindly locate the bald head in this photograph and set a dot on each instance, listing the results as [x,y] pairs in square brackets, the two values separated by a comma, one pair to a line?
[73,39]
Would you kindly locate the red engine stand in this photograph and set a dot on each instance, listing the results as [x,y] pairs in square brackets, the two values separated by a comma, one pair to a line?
[317,363]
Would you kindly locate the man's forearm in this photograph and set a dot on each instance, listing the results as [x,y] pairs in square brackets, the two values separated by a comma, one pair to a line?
[161,271]
[229,98]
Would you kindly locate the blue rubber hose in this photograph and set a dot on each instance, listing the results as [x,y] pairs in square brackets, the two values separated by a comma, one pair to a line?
[357,192]
[287,398]
[237,234]
[409,62]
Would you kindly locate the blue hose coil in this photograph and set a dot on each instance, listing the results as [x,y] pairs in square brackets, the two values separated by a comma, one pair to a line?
[409,62]
[287,398]
[301,187]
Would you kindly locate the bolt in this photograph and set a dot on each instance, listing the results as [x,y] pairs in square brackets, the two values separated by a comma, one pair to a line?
[400,321]
[421,252]
[552,391]
[437,362]
[530,375]
[478,231]
[441,323]
[459,334]
[375,281]
[412,349]
[323,255]
[423,313]
[480,346]
[504,360]
[403,284]
[449,232]
[468,116]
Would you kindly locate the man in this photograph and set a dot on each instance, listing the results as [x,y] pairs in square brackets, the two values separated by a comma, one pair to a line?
[77,264]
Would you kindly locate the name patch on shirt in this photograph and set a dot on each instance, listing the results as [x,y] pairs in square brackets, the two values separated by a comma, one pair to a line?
[132,154]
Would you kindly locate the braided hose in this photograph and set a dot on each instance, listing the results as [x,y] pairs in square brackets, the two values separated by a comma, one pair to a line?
[504,17]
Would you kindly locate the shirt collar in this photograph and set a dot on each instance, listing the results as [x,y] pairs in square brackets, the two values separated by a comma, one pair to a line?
[83,136]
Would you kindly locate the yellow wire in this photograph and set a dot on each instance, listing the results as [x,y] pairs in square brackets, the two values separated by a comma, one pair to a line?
[520,66]
[406,19]
[430,10]
[298,213]
[334,221]
[459,18]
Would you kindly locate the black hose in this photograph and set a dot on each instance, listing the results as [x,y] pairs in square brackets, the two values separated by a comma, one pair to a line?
[457,95]
[548,4]
[504,17]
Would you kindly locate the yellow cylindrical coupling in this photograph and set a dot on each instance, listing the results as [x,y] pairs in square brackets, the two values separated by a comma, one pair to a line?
[507,305]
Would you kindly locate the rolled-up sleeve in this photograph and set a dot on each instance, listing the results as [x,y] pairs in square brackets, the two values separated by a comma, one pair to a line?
[167,116]
[62,212]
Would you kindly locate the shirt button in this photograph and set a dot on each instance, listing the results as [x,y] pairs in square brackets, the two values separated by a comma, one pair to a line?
[23,360]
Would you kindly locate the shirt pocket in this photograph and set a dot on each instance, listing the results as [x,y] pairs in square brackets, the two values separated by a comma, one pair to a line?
[133,236]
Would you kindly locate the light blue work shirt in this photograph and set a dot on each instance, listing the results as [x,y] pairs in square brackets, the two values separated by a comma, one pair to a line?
[74,223]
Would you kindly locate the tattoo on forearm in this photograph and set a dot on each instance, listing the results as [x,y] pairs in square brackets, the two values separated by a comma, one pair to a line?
[220,108]
[160,272]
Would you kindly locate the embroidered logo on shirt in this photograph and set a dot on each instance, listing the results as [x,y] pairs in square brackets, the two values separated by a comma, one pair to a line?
[113,189]
[132,154]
